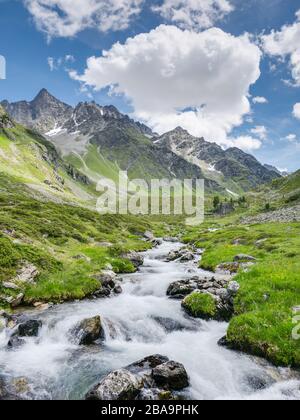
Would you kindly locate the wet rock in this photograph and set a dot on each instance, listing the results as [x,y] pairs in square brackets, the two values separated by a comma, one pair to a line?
[15,342]
[173,256]
[104,292]
[29,328]
[108,283]
[119,385]
[156,242]
[118,290]
[149,236]
[156,394]
[223,342]
[10,321]
[213,284]
[182,255]
[170,324]
[180,289]
[187,256]
[244,258]
[259,382]
[147,363]
[88,331]
[136,258]
[20,386]
[171,375]
[152,378]
[5,393]
[107,278]
[2,389]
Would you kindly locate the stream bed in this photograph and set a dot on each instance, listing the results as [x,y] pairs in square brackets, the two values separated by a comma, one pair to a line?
[140,322]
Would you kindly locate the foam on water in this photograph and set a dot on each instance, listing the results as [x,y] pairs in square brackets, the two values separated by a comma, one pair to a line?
[58,368]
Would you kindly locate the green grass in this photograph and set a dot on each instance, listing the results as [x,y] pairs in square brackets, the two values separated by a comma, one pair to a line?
[64,242]
[200,305]
[263,321]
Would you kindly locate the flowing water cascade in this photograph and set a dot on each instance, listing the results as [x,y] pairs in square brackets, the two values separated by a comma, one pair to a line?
[136,325]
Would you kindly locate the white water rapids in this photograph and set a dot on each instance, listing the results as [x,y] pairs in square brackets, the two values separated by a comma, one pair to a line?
[57,369]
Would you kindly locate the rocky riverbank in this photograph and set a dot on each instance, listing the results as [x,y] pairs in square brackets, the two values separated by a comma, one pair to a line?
[100,339]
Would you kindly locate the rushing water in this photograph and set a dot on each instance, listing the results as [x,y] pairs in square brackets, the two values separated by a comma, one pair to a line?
[56,368]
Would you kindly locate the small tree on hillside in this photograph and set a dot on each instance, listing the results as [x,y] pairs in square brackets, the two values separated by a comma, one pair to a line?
[216,202]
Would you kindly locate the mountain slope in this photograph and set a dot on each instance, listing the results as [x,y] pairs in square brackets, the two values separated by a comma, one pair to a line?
[284,191]
[32,160]
[231,168]
[100,141]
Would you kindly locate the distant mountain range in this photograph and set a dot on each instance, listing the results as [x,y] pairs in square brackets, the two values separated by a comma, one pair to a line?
[99,141]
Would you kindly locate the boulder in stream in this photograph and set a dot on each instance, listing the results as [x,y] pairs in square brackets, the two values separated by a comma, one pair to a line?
[171,375]
[15,342]
[88,331]
[152,378]
[185,254]
[182,288]
[108,284]
[118,385]
[136,258]
[207,306]
[29,328]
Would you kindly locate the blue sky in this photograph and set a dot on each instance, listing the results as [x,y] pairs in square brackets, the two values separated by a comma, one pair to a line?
[269,130]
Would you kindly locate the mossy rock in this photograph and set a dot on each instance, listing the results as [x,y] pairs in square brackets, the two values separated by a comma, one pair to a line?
[200,305]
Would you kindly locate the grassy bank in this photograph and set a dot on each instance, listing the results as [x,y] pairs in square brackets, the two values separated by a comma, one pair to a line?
[263,321]
[68,245]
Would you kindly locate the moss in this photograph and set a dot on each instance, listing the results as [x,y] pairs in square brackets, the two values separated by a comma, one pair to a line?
[200,305]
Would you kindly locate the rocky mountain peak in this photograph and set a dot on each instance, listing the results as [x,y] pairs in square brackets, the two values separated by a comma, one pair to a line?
[43,94]
[5,120]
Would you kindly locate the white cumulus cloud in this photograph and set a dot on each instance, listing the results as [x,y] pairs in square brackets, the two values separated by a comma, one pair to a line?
[260,131]
[260,100]
[66,18]
[194,14]
[291,137]
[286,44]
[247,143]
[172,77]
[296,110]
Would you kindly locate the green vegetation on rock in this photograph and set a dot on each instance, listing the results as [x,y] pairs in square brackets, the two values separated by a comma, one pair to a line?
[200,305]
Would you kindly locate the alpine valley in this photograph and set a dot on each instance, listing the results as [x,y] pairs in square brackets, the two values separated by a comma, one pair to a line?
[100,141]
[124,307]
